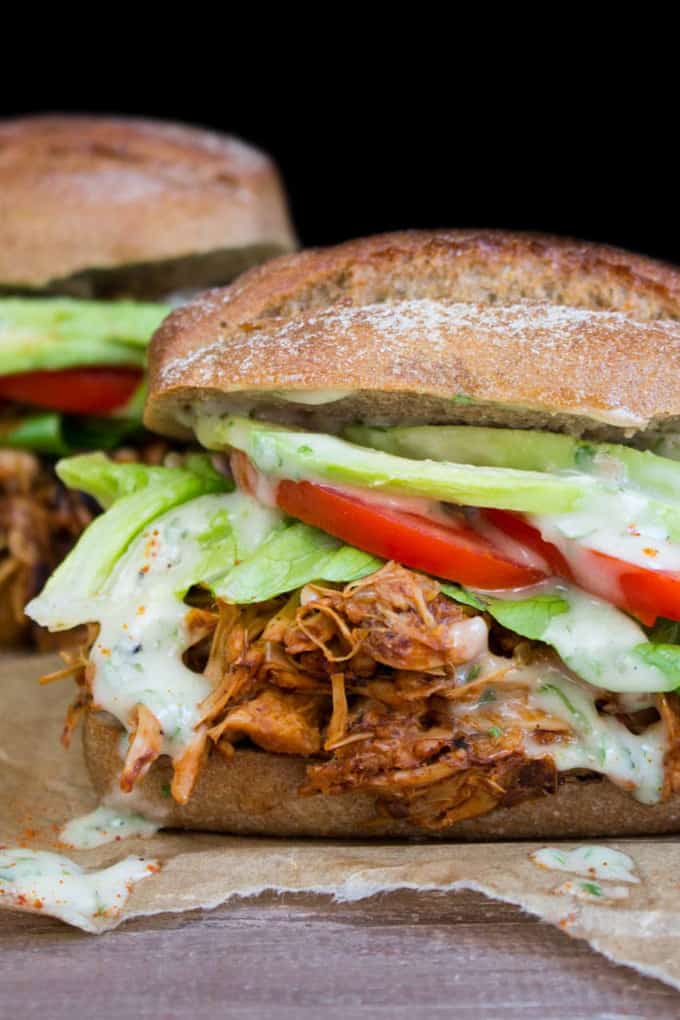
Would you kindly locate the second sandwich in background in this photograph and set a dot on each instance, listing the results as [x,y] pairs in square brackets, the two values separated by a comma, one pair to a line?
[105,223]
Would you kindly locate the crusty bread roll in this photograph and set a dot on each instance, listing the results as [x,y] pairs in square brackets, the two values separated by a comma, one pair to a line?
[433,327]
[256,794]
[429,327]
[100,206]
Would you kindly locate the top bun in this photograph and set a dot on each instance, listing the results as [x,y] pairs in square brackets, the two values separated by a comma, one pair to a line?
[98,206]
[433,326]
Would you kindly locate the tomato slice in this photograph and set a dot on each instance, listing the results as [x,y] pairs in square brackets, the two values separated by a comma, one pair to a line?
[650,593]
[454,552]
[520,531]
[644,593]
[459,553]
[97,390]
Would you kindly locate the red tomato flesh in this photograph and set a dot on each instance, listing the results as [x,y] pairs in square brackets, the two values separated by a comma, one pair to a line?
[455,553]
[643,593]
[98,390]
[646,594]
[458,553]
[517,528]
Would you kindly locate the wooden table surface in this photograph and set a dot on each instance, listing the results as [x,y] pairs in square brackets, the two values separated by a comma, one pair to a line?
[402,955]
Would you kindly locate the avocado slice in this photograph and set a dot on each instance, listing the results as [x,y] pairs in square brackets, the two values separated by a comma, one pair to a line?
[38,334]
[284,453]
[526,450]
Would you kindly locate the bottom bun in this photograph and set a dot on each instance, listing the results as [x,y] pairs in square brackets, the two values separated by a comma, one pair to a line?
[256,794]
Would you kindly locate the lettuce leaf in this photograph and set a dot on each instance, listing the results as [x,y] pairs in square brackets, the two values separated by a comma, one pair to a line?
[53,433]
[663,657]
[289,559]
[39,433]
[529,617]
[462,595]
[215,532]
[135,495]
[108,481]
[602,645]
[664,632]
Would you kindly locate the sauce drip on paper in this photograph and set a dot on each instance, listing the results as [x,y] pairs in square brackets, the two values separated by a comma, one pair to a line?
[38,880]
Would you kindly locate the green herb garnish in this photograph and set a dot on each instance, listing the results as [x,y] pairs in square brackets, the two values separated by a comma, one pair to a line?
[554,689]
[584,454]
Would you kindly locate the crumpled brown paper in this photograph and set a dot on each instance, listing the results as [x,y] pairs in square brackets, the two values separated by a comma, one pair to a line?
[43,786]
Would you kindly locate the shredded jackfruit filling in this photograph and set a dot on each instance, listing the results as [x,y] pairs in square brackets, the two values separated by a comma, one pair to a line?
[383,685]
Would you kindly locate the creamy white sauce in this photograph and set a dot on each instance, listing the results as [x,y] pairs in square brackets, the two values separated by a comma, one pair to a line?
[595,861]
[312,397]
[602,743]
[183,296]
[143,633]
[105,825]
[137,656]
[443,513]
[586,569]
[620,523]
[597,742]
[598,642]
[420,506]
[622,417]
[592,892]
[39,880]
[507,546]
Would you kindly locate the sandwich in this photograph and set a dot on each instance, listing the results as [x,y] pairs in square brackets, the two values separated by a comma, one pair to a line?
[425,579]
[104,225]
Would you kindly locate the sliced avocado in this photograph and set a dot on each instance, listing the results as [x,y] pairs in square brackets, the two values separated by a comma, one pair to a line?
[526,450]
[305,455]
[38,334]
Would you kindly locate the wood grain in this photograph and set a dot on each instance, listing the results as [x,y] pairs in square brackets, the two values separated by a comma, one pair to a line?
[402,955]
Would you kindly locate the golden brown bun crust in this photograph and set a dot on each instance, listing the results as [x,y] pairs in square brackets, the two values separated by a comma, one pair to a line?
[256,794]
[600,349]
[80,193]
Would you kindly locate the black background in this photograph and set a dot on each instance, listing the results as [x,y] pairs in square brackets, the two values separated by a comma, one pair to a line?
[419,150]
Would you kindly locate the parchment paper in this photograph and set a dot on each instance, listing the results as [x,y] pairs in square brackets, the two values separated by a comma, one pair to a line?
[43,786]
